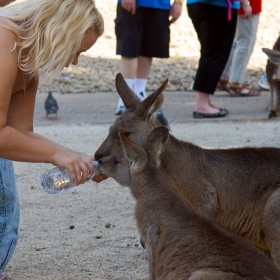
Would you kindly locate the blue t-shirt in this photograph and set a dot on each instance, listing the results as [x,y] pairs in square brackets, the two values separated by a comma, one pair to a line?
[235,4]
[157,4]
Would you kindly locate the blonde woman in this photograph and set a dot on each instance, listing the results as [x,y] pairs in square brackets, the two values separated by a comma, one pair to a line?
[37,37]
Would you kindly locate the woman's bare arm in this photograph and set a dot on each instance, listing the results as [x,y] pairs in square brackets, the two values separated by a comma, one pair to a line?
[17,141]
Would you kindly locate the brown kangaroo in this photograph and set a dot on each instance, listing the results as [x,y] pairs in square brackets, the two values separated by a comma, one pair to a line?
[273,78]
[239,189]
[180,243]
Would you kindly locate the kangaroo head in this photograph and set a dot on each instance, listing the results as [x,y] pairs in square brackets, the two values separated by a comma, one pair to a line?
[274,57]
[135,157]
[136,122]
[139,156]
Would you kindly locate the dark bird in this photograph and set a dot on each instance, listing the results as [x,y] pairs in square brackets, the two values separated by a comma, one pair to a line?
[51,105]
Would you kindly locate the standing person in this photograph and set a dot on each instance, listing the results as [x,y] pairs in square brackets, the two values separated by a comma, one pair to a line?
[232,79]
[215,24]
[142,31]
[36,37]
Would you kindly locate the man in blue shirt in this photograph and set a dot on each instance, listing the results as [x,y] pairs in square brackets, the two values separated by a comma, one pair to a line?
[142,31]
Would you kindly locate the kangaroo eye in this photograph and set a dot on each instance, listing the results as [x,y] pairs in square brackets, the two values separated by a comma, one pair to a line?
[126,134]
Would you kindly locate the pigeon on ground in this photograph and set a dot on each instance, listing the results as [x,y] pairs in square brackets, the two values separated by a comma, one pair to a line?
[51,105]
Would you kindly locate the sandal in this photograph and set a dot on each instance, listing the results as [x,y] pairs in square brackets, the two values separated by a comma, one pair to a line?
[223,85]
[242,91]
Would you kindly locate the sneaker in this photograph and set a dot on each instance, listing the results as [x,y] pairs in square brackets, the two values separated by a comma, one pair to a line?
[162,119]
[120,108]
[262,83]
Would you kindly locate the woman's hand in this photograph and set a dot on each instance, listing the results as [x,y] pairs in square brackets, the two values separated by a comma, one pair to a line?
[79,165]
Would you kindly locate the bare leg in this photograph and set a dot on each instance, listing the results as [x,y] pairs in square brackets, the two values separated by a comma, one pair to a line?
[135,67]
[213,106]
[224,78]
[128,67]
[204,105]
[144,66]
[140,81]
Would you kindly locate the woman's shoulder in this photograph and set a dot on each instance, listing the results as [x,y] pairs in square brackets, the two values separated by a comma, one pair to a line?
[7,25]
[7,32]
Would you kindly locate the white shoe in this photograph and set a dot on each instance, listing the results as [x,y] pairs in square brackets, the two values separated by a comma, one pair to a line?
[262,83]
[120,108]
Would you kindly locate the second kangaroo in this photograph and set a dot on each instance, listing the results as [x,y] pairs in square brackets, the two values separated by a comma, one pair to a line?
[180,244]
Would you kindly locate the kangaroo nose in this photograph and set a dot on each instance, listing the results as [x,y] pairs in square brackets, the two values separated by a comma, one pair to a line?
[98,156]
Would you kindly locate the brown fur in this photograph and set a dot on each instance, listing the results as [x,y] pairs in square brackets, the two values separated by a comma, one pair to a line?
[273,78]
[180,243]
[239,189]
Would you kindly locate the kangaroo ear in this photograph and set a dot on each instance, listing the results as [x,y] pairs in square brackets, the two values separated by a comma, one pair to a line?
[134,152]
[152,103]
[273,55]
[156,142]
[128,97]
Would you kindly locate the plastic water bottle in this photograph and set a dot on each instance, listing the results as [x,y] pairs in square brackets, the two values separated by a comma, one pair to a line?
[58,179]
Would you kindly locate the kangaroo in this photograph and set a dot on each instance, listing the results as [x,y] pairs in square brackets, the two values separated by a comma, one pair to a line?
[238,188]
[180,243]
[273,78]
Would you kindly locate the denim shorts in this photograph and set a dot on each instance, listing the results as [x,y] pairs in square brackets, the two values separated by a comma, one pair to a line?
[9,212]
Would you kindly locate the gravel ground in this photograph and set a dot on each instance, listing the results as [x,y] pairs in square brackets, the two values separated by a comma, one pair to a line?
[97,69]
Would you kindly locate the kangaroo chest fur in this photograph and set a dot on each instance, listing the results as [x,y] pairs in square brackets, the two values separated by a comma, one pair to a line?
[225,186]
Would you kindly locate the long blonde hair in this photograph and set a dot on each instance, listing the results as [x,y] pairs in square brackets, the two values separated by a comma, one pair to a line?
[50,32]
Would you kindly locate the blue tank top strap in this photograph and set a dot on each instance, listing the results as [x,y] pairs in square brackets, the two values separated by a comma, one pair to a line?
[155,4]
